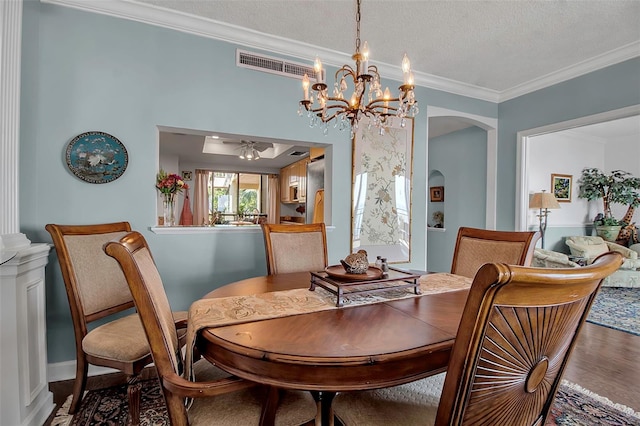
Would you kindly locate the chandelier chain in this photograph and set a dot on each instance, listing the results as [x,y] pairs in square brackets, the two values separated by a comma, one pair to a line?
[358,28]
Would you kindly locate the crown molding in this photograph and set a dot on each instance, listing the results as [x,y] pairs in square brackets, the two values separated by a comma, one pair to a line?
[621,54]
[179,21]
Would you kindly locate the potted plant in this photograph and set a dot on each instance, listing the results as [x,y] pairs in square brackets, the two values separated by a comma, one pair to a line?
[618,187]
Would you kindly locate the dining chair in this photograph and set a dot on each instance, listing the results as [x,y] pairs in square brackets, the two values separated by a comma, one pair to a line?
[218,398]
[295,248]
[97,290]
[518,329]
[475,247]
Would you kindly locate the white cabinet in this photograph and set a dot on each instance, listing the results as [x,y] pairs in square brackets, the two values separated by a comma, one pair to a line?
[25,398]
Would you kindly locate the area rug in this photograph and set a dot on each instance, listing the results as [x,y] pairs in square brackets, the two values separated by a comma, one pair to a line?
[574,406]
[617,308]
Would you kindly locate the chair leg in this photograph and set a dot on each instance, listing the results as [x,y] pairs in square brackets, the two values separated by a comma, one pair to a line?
[268,415]
[82,370]
[134,389]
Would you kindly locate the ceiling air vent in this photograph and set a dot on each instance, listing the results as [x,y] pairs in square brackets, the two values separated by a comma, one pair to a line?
[298,153]
[273,65]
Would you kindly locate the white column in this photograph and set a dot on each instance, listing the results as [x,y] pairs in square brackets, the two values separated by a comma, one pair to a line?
[25,398]
[10,51]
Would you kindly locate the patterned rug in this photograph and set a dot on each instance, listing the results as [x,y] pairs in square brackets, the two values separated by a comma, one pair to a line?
[574,406]
[617,308]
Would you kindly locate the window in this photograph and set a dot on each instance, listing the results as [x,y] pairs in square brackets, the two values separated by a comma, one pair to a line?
[236,197]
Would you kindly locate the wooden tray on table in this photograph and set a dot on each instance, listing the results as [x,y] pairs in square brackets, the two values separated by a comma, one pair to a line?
[336,280]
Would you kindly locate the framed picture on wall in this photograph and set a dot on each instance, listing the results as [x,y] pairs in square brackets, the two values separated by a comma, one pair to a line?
[561,187]
[436,193]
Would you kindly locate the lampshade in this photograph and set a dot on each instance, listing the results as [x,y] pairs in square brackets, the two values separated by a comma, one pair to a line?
[543,200]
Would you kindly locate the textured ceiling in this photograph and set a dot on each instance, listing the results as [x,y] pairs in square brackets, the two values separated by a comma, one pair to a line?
[495,45]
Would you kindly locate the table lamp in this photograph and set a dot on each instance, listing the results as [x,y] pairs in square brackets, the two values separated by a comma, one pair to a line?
[543,201]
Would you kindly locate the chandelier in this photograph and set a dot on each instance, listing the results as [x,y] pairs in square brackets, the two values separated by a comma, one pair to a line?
[367,98]
[248,151]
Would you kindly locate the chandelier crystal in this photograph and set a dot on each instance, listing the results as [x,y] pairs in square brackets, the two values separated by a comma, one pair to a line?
[367,98]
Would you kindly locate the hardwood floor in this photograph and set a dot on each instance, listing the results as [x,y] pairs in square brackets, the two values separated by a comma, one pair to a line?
[605,361]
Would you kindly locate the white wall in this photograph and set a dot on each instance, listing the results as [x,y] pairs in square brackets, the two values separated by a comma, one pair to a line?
[568,152]
[563,153]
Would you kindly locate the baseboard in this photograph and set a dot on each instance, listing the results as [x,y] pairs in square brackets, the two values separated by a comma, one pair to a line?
[59,371]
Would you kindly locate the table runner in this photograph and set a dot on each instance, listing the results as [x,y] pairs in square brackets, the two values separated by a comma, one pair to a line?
[218,312]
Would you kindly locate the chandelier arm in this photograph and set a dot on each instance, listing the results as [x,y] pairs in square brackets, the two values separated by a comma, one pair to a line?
[341,101]
[346,70]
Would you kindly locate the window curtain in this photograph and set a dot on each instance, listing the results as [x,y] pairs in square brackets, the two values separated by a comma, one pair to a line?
[273,199]
[201,198]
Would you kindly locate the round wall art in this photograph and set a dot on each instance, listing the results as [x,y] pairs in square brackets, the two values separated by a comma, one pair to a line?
[97,157]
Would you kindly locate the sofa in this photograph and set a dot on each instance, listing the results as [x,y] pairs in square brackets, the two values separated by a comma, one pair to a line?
[551,259]
[590,247]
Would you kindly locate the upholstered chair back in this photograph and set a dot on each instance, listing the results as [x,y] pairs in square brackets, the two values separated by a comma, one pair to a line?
[153,305]
[475,247]
[295,248]
[98,278]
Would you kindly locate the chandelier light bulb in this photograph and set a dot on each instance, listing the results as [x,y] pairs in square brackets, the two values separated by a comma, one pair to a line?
[410,79]
[317,67]
[406,64]
[354,100]
[305,87]
[365,58]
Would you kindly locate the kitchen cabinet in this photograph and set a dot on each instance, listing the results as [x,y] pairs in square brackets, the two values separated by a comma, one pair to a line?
[293,182]
[284,184]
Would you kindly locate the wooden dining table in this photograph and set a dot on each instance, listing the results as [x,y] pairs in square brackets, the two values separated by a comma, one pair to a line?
[339,350]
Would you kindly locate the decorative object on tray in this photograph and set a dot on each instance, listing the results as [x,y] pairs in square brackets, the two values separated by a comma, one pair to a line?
[169,185]
[338,272]
[96,157]
[356,263]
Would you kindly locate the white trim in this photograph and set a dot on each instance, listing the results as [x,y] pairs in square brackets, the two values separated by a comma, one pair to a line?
[522,161]
[491,126]
[66,370]
[629,51]
[10,62]
[179,21]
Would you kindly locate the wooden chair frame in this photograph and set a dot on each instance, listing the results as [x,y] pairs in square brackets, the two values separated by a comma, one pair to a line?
[269,229]
[518,329]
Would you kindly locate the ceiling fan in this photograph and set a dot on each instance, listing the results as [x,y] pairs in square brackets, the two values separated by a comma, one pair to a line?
[250,150]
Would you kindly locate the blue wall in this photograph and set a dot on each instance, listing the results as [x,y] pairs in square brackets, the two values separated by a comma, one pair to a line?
[461,158]
[611,88]
[84,71]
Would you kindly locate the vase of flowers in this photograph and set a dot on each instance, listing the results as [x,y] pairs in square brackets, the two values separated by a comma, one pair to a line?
[169,184]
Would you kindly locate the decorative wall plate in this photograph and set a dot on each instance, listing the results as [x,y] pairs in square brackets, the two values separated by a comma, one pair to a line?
[96,157]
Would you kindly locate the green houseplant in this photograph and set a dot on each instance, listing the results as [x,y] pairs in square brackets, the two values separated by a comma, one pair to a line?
[618,187]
